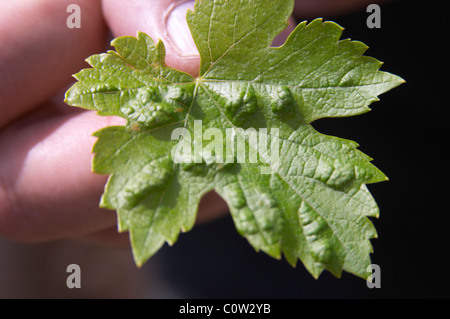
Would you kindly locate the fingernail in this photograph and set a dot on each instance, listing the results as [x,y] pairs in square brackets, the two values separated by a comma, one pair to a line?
[178,30]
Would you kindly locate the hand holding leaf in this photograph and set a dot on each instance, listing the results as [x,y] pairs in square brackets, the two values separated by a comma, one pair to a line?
[313,206]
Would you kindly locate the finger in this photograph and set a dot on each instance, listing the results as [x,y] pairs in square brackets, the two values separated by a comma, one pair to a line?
[108,237]
[165,20]
[211,207]
[39,52]
[47,190]
[281,38]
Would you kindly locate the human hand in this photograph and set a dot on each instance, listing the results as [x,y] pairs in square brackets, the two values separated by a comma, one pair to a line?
[47,190]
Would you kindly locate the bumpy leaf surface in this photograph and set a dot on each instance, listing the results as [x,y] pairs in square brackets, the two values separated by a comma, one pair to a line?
[309,203]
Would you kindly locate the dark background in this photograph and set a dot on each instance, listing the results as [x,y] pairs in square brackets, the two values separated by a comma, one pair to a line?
[407,135]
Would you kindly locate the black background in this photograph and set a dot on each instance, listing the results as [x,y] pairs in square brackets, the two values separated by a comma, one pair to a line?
[407,135]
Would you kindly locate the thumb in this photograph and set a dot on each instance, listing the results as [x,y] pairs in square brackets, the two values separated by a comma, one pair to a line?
[163,19]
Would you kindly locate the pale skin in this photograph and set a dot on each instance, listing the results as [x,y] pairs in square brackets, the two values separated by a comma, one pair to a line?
[47,189]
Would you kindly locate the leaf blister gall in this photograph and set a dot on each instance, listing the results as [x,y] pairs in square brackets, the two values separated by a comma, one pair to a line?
[313,204]
[280,99]
[241,105]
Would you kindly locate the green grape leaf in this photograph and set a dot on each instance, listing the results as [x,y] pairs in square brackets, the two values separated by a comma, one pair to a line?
[241,128]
